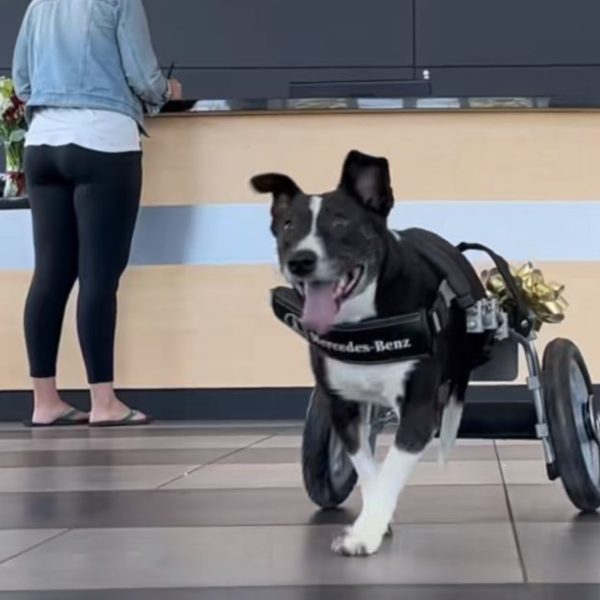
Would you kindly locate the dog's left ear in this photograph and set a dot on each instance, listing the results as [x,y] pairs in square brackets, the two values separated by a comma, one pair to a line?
[367,178]
[282,188]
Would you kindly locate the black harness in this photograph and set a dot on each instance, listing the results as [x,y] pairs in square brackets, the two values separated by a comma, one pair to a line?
[373,341]
[402,337]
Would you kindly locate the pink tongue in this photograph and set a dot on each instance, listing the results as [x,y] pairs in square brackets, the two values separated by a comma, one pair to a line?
[320,307]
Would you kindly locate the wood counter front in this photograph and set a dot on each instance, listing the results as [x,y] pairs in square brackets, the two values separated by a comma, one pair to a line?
[209,325]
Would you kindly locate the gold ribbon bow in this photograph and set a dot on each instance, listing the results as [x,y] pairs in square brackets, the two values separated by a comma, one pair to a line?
[544,299]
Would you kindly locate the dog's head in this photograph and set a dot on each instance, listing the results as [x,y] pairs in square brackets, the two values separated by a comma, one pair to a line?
[331,245]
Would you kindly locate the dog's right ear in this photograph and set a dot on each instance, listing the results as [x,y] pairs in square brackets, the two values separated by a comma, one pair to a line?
[367,178]
[282,188]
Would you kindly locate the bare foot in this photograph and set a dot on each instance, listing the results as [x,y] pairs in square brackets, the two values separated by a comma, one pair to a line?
[49,413]
[106,407]
[48,405]
[116,411]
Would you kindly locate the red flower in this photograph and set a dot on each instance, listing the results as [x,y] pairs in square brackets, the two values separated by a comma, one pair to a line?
[15,113]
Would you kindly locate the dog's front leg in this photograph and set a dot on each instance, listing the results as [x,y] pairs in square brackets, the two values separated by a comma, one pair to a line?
[366,468]
[363,459]
[351,423]
[418,424]
[380,496]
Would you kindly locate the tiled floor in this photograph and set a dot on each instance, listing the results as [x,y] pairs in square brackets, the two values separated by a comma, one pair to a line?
[191,511]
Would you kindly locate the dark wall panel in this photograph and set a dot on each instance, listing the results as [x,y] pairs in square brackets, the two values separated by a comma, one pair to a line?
[507,32]
[282,33]
[11,15]
[274,83]
[280,48]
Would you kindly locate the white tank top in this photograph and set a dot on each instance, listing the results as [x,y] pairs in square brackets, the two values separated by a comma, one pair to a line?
[100,130]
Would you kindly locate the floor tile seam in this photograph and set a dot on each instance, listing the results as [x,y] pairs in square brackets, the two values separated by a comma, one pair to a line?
[511,515]
[214,461]
[242,489]
[334,526]
[224,488]
[34,546]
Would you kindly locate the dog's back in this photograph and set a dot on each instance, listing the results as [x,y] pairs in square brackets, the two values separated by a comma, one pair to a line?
[464,287]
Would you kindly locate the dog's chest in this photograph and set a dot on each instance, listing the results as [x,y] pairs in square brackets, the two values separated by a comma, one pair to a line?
[379,384]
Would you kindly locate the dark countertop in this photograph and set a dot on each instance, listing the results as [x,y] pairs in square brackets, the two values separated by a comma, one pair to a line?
[16,204]
[320,105]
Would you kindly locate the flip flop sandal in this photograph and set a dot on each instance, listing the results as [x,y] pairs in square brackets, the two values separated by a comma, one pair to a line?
[130,420]
[70,419]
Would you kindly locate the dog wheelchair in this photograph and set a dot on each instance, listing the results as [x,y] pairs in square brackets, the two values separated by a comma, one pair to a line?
[567,415]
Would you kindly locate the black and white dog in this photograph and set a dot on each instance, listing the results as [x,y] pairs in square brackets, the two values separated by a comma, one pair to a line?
[338,253]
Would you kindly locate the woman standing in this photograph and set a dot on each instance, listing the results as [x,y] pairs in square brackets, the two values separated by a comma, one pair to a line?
[86,69]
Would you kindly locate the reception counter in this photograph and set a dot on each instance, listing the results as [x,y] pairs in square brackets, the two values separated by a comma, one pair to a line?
[194,308]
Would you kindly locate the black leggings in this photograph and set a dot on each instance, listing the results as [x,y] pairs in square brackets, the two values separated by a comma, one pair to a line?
[84,206]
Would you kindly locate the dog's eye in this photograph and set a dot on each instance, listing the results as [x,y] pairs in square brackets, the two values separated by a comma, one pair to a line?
[340,222]
[288,225]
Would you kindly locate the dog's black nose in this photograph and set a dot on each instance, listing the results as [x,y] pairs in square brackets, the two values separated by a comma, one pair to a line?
[302,263]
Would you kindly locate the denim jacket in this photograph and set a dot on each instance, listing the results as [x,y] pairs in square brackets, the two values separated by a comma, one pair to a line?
[88,54]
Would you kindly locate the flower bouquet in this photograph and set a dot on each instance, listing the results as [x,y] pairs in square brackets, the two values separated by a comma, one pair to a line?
[12,134]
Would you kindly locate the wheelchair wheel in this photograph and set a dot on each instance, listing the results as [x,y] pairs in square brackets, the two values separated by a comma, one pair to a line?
[574,423]
[329,476]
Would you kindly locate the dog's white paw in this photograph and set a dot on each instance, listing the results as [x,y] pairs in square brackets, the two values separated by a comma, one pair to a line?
[363,541]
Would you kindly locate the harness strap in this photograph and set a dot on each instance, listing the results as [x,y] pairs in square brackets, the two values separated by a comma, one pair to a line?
[449,262]
[404,337]
[523,323]
[440,310]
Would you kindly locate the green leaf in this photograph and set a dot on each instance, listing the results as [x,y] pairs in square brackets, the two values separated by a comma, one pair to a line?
[18,135]
[6,87]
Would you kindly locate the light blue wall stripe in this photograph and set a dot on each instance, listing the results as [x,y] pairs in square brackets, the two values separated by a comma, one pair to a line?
[222,234]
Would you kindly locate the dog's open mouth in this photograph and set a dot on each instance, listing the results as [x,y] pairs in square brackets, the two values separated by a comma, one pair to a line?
[322,299]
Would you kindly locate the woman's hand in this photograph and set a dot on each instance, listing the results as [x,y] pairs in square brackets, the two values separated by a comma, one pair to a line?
[176,90]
